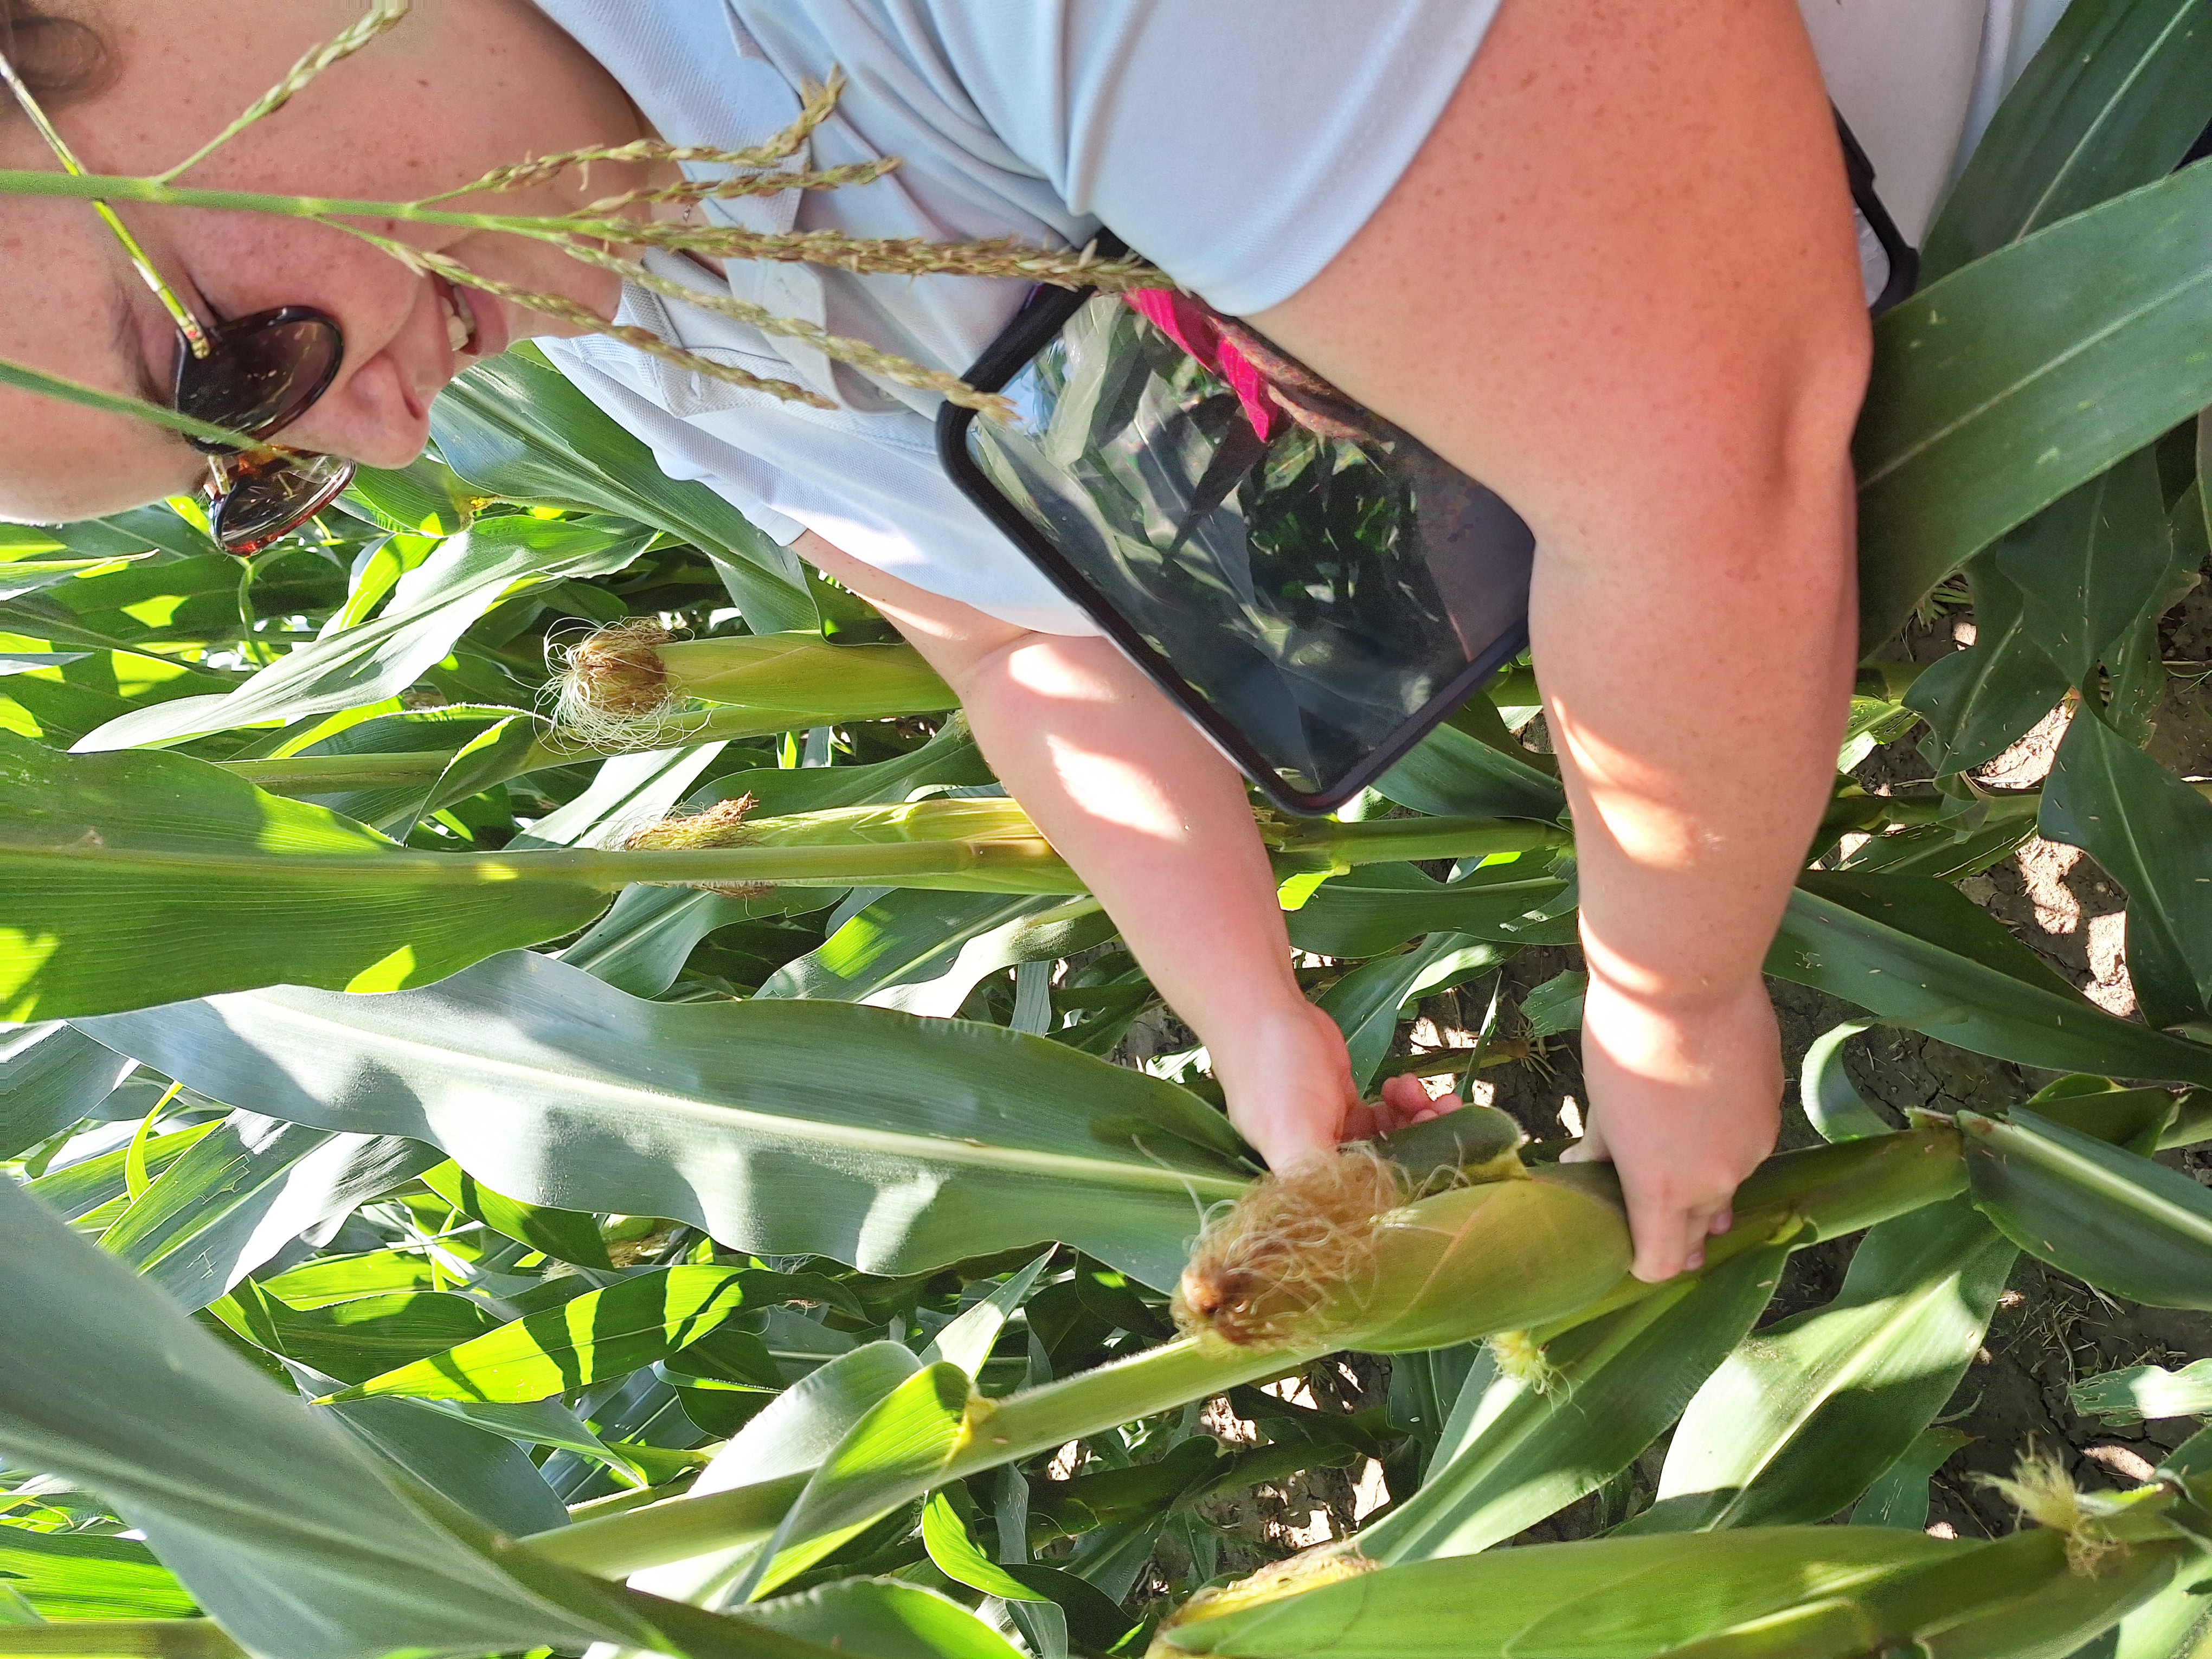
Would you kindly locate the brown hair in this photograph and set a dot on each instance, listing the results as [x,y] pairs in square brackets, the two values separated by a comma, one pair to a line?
[58,57]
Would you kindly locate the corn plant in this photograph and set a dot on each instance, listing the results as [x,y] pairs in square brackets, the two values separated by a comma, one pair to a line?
[553,1104]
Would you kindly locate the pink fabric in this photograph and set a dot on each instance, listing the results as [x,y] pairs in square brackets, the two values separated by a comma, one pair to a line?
[1191,326]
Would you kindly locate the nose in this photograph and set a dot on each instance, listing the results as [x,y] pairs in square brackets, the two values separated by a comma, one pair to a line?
[378,414]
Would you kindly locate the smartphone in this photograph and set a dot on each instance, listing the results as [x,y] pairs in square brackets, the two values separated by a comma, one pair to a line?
[1312,585]
[1315,592]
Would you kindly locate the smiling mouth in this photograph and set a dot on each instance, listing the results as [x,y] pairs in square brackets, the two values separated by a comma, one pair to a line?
[463,331]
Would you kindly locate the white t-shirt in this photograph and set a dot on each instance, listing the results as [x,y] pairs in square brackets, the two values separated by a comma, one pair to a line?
[1239,143]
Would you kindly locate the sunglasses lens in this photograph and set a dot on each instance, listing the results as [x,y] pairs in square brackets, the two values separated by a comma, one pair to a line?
[270,499]
[264,372]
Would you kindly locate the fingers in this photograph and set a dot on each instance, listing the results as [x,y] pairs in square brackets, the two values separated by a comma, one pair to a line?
[1671,1238]
[1405,1103]
[1362,1123]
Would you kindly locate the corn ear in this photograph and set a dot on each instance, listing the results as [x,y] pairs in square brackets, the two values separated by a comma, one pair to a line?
[630,684]
[1502,1255]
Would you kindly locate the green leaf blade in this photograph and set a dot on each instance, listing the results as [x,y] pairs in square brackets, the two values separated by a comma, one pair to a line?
[929,1141]
[2018,379]
[588,1339]
[2121,1222]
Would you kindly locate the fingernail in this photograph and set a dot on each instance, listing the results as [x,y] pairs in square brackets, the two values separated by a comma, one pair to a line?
[1721,1222]
[1697,1260]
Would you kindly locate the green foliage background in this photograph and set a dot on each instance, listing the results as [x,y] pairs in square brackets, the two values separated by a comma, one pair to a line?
[763,1235]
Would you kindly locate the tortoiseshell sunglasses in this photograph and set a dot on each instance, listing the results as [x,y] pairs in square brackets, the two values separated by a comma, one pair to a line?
[254,376]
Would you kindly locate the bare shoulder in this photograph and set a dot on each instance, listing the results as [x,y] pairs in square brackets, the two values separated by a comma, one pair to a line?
[1631,220]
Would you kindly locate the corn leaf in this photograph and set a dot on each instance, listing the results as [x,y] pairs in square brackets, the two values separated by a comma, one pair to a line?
[1826,1094]
[1801,1419]
[51,1076]
[1517,1450]
[924,1142]
[894,1450]
[192,600]
[390,770]
[67,1576]
[2159,1628]
[1899,1495]
[81,1191]
[434,605]
[565,1235]
[2089,564]
[882,1619]
[543,1423]
[2020,377]
[355,1339]
[1367,1002]
[347,1278]
[1915,952]
[424,498]
[2112,101]
[2153,834]
[2123,1223]
[277,1526]
[589,1338]
[2147,1391]
[241,1195]
[517,426]
[1378,906]
[1979,701]
[479,1470]
[121,534]
[960,1558]
[924,952]
[966,1341]
[61,701]
[695,1551]
[139,878]
[641,944]
[1452,773]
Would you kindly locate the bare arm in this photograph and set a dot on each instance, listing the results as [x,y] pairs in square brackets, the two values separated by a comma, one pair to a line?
[1158,824]
[1619,285]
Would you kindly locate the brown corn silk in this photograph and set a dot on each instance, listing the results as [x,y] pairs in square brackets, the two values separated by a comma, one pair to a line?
[722,824]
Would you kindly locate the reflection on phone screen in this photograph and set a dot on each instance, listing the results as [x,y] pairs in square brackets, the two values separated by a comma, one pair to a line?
[1320,580]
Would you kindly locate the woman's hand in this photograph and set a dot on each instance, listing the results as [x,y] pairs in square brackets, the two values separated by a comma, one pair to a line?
[1288,1079]
[1685,1103]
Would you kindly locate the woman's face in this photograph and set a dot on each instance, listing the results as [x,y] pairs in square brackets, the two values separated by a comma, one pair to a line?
[459,87]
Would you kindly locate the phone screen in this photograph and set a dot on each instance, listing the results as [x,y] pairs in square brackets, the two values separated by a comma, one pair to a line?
[1312,585]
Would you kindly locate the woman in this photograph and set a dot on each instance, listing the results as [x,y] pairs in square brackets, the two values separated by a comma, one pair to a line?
[1599,253]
